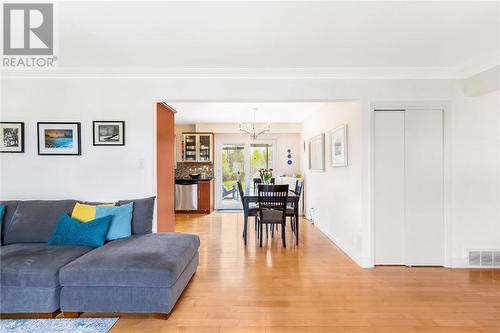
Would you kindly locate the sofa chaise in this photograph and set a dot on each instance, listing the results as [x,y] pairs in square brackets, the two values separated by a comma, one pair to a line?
[144,273]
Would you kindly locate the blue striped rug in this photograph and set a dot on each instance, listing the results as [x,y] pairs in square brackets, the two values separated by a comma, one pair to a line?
[63,325]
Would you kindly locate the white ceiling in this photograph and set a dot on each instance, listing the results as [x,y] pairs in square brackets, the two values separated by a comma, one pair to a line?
[438,38]
[192,113]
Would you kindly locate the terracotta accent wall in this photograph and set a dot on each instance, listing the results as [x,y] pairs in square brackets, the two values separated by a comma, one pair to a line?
[165,174]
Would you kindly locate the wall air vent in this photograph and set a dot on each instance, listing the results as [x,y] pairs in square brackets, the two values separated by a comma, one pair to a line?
[484,258]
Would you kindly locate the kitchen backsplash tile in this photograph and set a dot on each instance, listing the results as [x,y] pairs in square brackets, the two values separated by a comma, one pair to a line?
[185,168]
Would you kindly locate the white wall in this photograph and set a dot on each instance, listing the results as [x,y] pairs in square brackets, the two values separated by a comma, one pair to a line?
[232,128]
[283,141]
[104,173]
[334,198]
[286,136]
[475,175]
[100,173]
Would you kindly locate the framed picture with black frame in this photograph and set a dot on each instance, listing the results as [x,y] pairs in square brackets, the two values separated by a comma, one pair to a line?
[12,137]
[59,138]
[109,133]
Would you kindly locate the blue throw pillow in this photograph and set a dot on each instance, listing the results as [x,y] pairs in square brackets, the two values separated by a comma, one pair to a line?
[121,225]
[73,232]
[2,212]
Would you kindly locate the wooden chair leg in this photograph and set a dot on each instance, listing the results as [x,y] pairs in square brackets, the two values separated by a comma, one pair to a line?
[260,238]
[283,233]
[296,231]
[257,226]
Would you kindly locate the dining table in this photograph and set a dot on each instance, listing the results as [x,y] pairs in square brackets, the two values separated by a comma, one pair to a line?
[251,195]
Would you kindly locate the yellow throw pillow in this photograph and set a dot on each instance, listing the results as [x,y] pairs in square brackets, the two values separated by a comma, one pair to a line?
[85,213]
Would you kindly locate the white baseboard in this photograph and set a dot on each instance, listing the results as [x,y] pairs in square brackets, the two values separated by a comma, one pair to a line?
[458,263]
[362,262]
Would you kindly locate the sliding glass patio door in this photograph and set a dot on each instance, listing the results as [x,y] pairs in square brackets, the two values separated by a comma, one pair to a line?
[231,167]
[239,161]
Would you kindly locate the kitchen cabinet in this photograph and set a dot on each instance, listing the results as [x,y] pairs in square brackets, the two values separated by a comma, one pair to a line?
[206,196]
[197,147]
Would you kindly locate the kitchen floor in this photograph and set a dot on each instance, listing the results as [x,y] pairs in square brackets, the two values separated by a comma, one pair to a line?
[315,287]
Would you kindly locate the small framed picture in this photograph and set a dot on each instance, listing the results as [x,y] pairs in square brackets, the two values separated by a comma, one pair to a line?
[317,153]
[109,133]
[59,138]
[12,135]
[338,146]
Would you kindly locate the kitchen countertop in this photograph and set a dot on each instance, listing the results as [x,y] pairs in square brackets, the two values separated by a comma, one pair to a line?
[199,179]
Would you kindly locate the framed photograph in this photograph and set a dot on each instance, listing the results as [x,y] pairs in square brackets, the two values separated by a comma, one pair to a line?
[12,136]
[109,133]
[338,146]
[317,153]
[59,139]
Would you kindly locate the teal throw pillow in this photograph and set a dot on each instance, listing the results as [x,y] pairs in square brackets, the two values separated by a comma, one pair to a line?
[121,225]
[73,232]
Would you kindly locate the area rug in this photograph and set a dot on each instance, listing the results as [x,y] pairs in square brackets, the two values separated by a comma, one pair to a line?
[63,325]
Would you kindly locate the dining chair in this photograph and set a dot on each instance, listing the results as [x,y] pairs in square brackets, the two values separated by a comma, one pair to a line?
[272,208]
[290,211]
[251,210]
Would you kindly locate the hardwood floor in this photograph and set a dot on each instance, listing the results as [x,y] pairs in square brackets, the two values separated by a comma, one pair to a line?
[315,287]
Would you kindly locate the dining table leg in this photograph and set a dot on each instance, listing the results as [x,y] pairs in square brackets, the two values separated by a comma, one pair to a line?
[245,228]
[296,218]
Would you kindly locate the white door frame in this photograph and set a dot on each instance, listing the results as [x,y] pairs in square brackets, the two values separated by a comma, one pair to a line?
[236,139]
[220,141]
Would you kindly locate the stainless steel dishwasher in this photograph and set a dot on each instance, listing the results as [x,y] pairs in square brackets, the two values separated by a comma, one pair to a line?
[186,194]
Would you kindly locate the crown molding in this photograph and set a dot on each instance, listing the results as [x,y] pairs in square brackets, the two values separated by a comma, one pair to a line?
[244,73]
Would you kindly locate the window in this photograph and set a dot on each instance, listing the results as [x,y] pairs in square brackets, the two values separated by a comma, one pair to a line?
[261,156]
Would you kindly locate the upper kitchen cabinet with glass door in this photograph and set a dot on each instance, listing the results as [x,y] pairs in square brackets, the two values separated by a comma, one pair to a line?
[198,147]
[190,153]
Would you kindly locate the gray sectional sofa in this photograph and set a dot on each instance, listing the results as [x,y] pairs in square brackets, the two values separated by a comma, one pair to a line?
[144,273]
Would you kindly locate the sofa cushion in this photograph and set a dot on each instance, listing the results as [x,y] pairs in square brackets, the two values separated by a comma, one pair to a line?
[73,232]
[152,260]
[84,212]
[10,208]
[35,264]
[272,215]
[121,223]
[142,217]
[34,221]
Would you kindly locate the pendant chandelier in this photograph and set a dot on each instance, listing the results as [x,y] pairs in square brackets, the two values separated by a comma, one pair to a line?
[252,129]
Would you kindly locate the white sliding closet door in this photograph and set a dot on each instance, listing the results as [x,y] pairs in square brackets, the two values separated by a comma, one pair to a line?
[424,187]
[408,197]
[389,187]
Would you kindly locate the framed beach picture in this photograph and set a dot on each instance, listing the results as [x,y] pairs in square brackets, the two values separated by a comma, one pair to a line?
[338,146]
[59,139]
[109,133]
[12,137]
[317,153]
